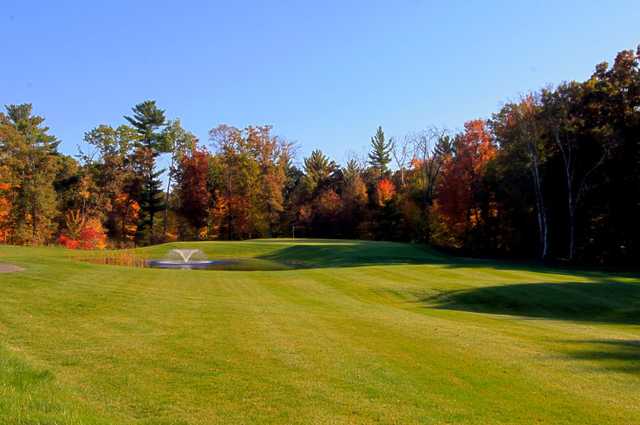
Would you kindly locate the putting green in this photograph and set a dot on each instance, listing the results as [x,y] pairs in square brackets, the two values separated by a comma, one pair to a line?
[315,331]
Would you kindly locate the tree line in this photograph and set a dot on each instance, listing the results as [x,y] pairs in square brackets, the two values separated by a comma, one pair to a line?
[554,174]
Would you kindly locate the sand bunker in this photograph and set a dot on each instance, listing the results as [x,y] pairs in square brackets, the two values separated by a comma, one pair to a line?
[9,268]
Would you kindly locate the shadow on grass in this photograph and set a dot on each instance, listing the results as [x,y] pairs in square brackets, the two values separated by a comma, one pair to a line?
[354,254]
[603,301]
[612,354]
[369,253]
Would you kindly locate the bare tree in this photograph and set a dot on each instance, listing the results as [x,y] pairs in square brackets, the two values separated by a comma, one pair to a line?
[401,151]
[530,135]
[430,150]
[359,158]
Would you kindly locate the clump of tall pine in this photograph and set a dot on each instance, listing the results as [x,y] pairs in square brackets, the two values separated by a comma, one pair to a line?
[148,121]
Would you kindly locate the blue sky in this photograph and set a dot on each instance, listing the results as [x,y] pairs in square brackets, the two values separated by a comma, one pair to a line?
[323,73]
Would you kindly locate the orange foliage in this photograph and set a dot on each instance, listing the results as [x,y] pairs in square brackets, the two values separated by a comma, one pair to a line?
[416,164]
[127,212]
[235,206]
[385,190]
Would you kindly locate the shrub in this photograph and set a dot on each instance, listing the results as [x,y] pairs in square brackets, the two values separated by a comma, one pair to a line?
[90,235]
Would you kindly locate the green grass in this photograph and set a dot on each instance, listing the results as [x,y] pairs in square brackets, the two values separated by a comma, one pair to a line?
[328,332]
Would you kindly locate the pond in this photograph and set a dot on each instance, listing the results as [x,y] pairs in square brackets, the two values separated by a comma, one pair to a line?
[188,259]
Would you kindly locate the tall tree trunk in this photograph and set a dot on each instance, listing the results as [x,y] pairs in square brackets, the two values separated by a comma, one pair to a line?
[572,228]
[571,204]
[541,210]
[567,161]
[166,197]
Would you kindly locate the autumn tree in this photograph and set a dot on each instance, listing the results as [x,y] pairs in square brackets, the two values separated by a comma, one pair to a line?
[192,188]
[354,199]
[234,178]
[112,169]
[125,216]
[273,155]
[462,178]
[319,187]
[249,176]
[82,232]
[431,149]
[385,191]
[354,189]
[5,202]
[30,153]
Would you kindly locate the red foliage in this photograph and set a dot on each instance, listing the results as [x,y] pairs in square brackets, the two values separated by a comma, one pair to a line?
[67,242]
[462,174]
[91,236]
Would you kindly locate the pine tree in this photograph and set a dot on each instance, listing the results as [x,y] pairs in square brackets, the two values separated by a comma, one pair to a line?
[318,169]
[380,155]
[30,153]
[147,120]
[149,194]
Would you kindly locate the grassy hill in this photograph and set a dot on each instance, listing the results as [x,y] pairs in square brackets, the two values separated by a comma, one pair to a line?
[315,331]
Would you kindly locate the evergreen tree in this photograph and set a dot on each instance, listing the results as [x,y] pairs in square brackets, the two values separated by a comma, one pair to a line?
[30,153]
[318,169]
[380,155]
[148,120]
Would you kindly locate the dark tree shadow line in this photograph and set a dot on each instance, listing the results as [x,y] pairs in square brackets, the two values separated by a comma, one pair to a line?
[597,301]
[616,355]
[593,302]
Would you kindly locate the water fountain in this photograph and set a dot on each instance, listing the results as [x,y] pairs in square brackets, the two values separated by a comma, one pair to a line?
[186,254]
[184,259]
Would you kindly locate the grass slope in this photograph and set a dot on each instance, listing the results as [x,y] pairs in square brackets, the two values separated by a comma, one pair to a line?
[331,332]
